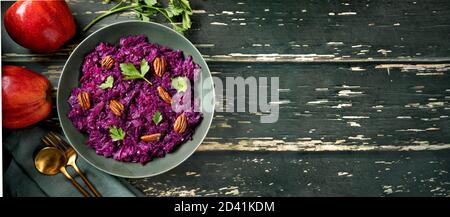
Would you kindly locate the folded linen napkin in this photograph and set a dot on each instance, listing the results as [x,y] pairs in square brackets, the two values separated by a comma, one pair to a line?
[22,179]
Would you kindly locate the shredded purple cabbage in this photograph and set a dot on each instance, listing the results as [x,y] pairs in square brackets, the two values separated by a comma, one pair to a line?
[139,98]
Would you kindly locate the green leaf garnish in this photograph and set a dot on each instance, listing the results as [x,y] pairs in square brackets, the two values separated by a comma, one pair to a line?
[116,133]
[130,72]
[186,21]
[175,11]
[180,84]
[145,18]
[108,83]
[150,2]
[157,117]
[144,67]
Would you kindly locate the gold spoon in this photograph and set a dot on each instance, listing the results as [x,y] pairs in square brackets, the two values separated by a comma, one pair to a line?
[53,140]
[50,161]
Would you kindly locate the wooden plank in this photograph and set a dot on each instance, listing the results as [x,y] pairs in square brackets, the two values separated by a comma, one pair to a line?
[222,173]
[291,30]
[342,107]
[384,87]
[333,107]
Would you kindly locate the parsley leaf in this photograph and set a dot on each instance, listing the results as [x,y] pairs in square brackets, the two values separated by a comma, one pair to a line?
[144,17]
[108,83]
[157,117]
[186,21]
[116,133]
[180,83]
[130,72]
[150,2]
[186,5]
[144,67]
[176,11]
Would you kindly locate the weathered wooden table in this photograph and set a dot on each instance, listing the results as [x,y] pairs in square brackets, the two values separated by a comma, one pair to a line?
[364,97]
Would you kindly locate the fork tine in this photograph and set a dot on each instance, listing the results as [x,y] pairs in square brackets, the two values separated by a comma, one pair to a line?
[46,142]
[50,143]
[53,142]
[56,143]
[53,135]
[61,141]
[65,143]
[57,139]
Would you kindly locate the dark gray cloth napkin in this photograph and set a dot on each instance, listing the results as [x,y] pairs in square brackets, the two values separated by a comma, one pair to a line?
[22,179]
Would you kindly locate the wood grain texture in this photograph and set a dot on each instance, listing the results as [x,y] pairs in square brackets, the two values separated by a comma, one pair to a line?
[333,107]
[304,174]
[294,30]
[362,84]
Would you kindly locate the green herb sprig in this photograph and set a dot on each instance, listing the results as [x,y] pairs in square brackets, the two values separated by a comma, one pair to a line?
[157,117]
[180,84]
[145,9]
[116,133]
[108,83]
[130,72]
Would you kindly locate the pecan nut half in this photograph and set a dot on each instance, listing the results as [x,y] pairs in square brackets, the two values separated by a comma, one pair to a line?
[180,124]
[107,62]
[151,137]
[159,66]
[164,95]
[116,107]
[84,100]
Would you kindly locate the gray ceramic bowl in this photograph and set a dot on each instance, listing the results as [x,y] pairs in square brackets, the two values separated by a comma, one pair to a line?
[156,33]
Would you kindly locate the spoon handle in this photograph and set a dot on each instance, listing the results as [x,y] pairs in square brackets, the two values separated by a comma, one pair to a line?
[74,183]
[85,180]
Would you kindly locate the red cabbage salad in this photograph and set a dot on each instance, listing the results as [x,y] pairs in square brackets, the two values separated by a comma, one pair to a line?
[136,99]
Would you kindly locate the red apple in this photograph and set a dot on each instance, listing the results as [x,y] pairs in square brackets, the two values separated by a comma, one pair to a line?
[41,26]
[26,97]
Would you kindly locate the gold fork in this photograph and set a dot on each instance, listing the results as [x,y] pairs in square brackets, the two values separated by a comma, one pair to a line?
[71,155]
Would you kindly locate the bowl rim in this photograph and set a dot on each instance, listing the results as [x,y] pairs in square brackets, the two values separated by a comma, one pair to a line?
[161,171]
